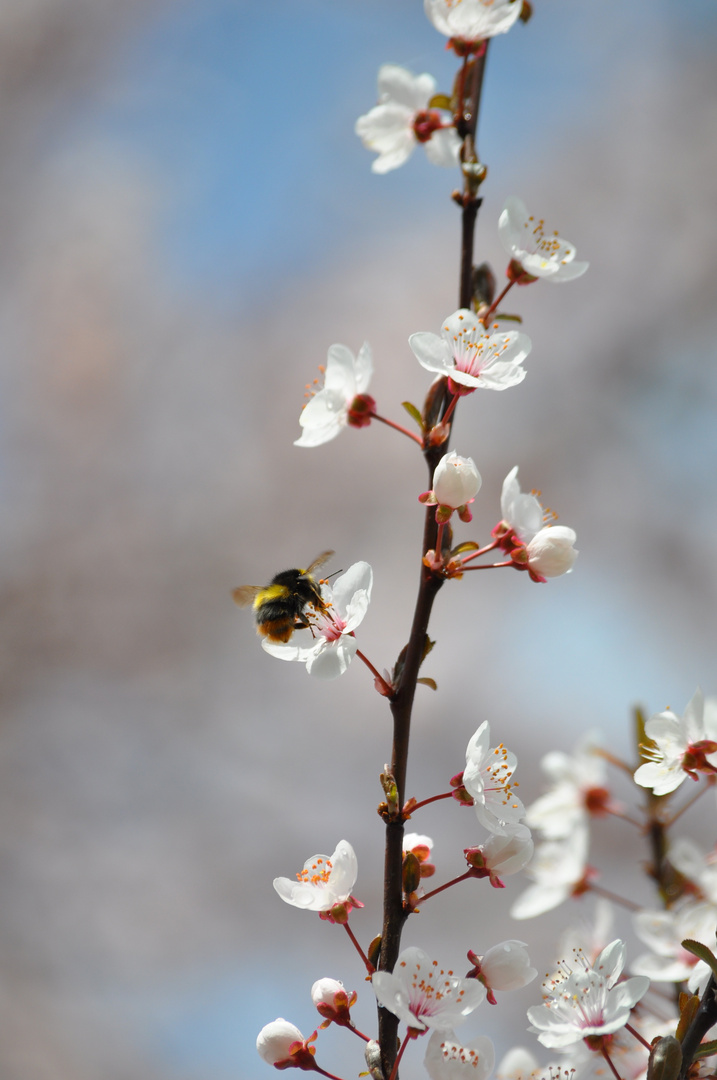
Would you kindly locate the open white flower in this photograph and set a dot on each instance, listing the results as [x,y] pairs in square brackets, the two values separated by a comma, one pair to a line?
[423,995]
[500,856]
[663,932]
[549,550]
[447,1059]
[471,357]
[540,254]
[521,510]
[402,119]
[683,747]
[324,881]
[328,411]
[472,20]
[327,646]
[579,788]
[519,1064]
[699,867]
[488,778]
[587,1001]
[557,869]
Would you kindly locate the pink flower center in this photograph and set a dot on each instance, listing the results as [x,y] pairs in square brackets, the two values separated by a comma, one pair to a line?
[425,123]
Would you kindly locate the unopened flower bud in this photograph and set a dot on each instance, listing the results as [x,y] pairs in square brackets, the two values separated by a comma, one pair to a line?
[282,1044]
[551,552]
[456,481]
[411,873]
[507,966]
[332,1001]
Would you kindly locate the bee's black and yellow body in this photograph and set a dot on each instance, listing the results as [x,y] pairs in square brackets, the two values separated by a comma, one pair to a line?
[279,607]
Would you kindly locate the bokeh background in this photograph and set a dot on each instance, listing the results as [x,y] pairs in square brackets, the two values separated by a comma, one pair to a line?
[187,222]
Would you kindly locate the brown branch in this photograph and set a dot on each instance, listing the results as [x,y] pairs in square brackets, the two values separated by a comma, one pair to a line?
[394,914]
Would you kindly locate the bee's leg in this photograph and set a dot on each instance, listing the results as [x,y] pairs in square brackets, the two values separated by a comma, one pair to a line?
[302,623]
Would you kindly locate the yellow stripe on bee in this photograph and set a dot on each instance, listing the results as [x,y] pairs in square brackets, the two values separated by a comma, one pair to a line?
[271,592]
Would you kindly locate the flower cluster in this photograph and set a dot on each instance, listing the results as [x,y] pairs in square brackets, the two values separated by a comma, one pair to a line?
[589,1013]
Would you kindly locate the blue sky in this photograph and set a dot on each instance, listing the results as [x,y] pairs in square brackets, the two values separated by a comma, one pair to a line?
[246,116]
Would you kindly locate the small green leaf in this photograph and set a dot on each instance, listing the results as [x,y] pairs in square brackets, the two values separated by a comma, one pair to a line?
[702,953]
[467,545]
[428,682]
[414,414]
[440,101]
[508,318]
[705,1050]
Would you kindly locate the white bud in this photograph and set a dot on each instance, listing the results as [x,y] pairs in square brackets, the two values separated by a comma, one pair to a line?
[507,966]
[551,551]
[456,480]
[275,1040]
[324,991]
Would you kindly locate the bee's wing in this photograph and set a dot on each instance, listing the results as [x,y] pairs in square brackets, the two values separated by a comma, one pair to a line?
[246,594]
[318,561]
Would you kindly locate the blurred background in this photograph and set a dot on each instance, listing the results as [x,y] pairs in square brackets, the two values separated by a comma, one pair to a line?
[187,222]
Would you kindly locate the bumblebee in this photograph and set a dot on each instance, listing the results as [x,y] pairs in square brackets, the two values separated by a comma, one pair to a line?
[279,606]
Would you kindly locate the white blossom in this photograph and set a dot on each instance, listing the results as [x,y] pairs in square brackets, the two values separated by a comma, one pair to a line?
[521,510]
[424,995]
[578,781]
[683,746]
[698,867]
[519,1064]
[540,254]
[324,881]
[557,868]
[447,1059]
[402,120]
[506,855]
[664,932]
[327,412]
[468,355]
[588,1000]
[591,932]
[472,20]
[328,645]
[488,778]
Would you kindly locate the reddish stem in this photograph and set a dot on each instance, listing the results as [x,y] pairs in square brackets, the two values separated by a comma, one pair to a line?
[446,885]
[449,411]
[629,904]
[394,1070]
[638,1036]
[388,690]
[495,303]
[367,963]
[433,798]
[398,427]
[690,802]
[331,1076]
[605,1054]
[479,552]
[491,565]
